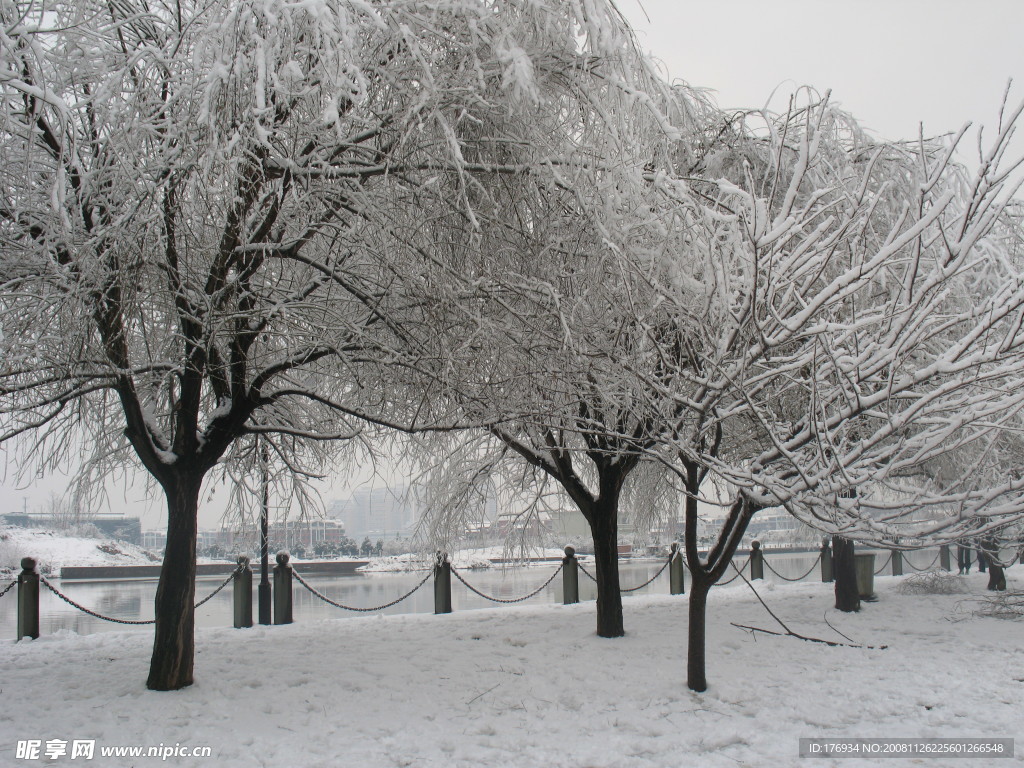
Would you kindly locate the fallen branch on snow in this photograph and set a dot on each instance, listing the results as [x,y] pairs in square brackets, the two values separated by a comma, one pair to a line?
[791,633]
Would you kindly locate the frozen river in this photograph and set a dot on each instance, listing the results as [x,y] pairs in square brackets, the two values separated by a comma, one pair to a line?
[133,598]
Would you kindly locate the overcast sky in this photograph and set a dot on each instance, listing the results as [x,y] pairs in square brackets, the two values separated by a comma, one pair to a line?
[893,64]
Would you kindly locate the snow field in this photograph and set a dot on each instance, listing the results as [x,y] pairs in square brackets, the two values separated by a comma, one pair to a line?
[533,686]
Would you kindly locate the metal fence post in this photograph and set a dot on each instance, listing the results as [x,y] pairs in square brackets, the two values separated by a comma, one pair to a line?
[283,589]
[944,558]
[897,563]
[442,584]
[676,581]
[570,577]
[243,593]
[756,561]
[28,599]
[827,575]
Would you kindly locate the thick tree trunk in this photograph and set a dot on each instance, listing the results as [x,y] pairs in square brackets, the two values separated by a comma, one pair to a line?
[996,577]
[604,529]
[845,572]
[696,668]
[174,639]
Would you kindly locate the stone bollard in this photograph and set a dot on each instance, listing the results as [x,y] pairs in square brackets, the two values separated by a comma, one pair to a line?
[442,584]
[676,572]
[570,577]
[243,593]
[897,563]
[756,561]
[827,576]
[283,589]
[28,600]
[944,562]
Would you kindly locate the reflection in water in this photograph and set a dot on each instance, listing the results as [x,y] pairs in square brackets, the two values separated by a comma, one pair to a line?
[133,598]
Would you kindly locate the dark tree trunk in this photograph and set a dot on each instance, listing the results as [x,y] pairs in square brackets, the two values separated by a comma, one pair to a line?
[845,572]
[696,669]
[963,559]
[174,640]
[604,529]
[703,576]
[996,577]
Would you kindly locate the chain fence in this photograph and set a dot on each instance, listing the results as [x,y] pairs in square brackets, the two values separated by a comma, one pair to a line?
[660,571]
[738,572]
[586,572]
[429,572]
[535,592]
[92,613]
[885,563]
[100,616]
[9,587]
[906,561]
[807,573]
[210,596]
[344,607]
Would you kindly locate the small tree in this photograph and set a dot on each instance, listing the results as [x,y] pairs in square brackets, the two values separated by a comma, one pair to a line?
[852,323]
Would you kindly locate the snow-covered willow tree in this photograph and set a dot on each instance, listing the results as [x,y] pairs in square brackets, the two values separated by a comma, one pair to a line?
[568,430]
[206,207]
[536,354]
[852,338]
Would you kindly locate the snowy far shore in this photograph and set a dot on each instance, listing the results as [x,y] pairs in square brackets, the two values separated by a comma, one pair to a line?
[480,557]
[533,686]
[53,550]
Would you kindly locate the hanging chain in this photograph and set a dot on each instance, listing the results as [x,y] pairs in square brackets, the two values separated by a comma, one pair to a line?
[586,572]
[83,609]
[926,568]
[660,571]
[535,592]
[94,614]
[631,589]
[798,578]
[218,589]
[336,604]
[738,572]
[9,587]
[882,566]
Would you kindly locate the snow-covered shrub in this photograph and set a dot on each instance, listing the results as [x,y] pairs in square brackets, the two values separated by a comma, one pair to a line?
[932,583]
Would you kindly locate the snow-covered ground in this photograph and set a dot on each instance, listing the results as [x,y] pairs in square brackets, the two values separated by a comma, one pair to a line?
[53,550]
[533,686]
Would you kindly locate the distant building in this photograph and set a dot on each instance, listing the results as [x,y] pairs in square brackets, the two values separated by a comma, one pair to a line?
[568,524]
[291,533]
[155,540]
[377,513]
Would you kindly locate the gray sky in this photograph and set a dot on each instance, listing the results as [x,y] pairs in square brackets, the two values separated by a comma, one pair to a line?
[891,63]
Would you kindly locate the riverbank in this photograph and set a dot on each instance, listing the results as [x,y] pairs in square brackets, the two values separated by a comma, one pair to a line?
[53,551]
[533,685]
